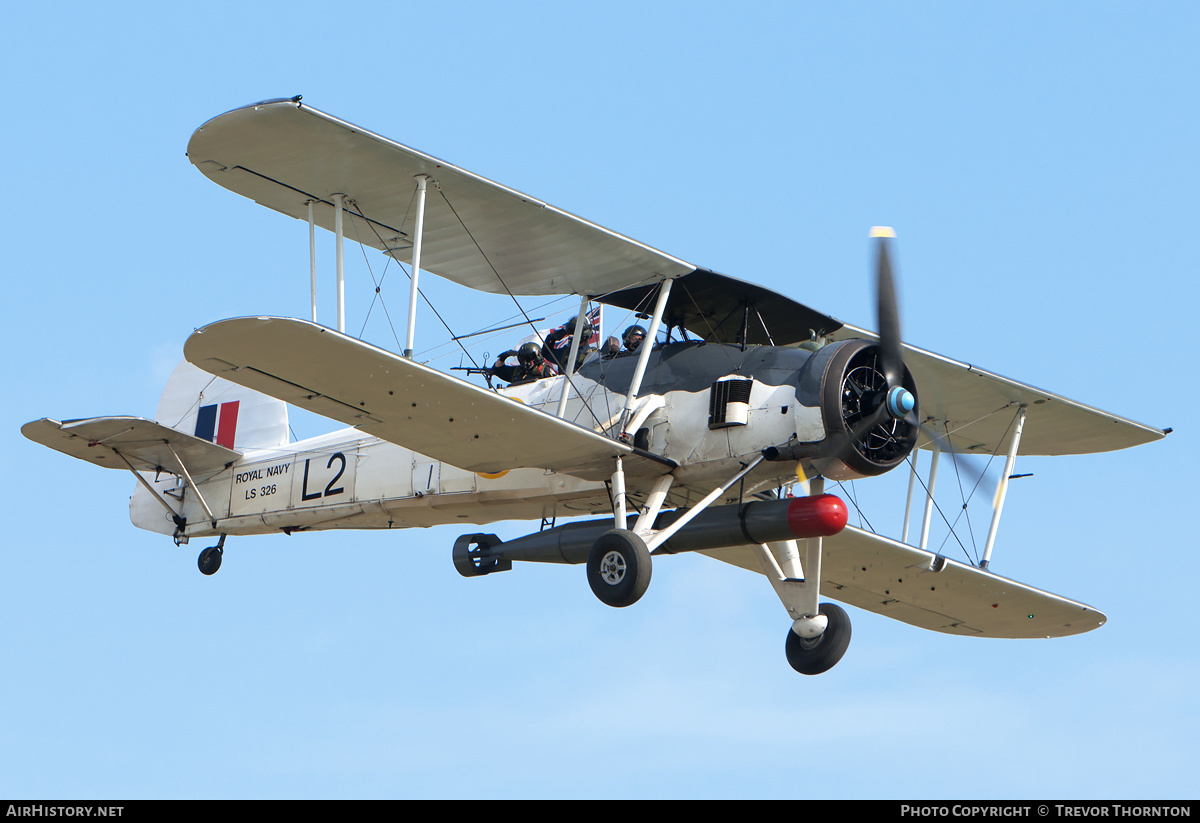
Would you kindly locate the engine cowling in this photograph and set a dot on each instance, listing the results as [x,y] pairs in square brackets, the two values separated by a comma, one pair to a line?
[845,381]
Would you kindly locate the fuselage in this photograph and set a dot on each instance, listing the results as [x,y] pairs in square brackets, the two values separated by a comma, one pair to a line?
[345,479]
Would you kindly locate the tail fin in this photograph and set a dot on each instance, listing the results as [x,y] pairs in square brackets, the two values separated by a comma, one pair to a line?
[221,412]
[197,403]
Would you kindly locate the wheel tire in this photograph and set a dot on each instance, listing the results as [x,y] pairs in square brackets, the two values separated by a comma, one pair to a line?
[209,560]
[821,653]
[618,568]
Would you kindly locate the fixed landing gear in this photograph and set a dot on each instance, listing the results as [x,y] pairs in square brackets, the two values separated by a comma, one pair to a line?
[618,568]
[210,559]
[821,653]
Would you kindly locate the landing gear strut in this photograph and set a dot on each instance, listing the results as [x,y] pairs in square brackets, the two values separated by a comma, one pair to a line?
[618,568]
[210,559]
[821,653]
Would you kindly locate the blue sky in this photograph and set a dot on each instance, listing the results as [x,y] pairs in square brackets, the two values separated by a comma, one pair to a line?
[1039,164]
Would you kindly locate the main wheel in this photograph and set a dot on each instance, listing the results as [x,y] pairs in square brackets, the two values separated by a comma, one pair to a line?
[209,560]
[821,653]
[618,568]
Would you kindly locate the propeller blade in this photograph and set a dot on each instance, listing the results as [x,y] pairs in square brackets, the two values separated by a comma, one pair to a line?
[974,474]
[846,443]
[802,479]
[887,309]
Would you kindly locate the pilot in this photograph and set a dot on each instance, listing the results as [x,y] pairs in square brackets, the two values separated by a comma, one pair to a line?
[558,343]
[531,365]
[632,338]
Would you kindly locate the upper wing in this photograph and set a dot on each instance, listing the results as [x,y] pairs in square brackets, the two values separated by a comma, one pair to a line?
[977,409]
[148,446]
[919,588]
[487,236]
[398,400]
[283,154]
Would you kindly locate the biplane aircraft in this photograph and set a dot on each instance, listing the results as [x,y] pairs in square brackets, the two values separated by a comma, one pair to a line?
[717,435]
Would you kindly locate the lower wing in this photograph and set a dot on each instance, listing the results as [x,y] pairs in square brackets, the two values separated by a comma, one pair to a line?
[400,400]
[933,592]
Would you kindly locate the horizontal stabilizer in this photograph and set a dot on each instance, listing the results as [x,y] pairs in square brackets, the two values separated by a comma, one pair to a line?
[148,446]
[396,399]
[932,592]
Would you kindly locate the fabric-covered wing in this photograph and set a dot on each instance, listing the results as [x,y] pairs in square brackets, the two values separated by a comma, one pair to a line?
[398,400]
[484,235]
[977,408]
[898,581]
[283,154]
[145,444]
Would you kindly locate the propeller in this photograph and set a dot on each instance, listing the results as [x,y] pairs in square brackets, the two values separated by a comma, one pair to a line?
[891,400]
[899,402]
[886,309]
[878,410]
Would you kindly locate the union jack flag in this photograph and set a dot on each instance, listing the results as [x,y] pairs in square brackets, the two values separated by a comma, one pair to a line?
[593,320]
[594,317]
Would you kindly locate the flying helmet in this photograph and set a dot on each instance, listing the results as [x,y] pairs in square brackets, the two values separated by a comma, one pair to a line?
[530,354]
[630,333]
[570,326]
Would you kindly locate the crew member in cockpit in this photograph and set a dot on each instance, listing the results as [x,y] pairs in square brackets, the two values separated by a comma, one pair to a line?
[631,340]
[531,365]
[558,344]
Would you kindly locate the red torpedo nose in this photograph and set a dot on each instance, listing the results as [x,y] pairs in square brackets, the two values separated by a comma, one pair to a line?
[822,515]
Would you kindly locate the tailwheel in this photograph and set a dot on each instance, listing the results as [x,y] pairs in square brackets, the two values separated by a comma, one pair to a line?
[821,653]
[618,568]
[210,559]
